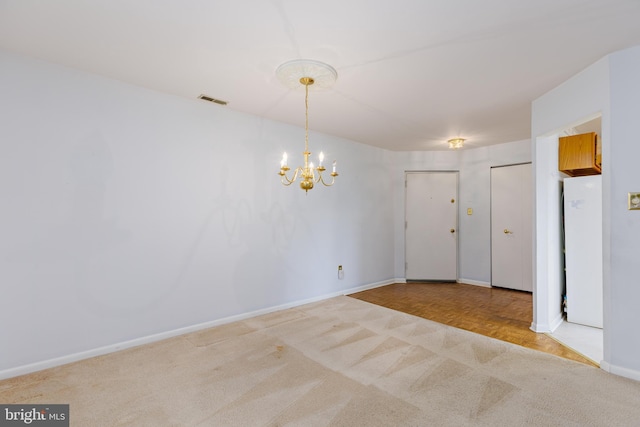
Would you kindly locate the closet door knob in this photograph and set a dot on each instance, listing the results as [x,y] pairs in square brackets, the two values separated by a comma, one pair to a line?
[506,231]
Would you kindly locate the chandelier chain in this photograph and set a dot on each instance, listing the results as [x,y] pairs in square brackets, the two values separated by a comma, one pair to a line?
[306,117]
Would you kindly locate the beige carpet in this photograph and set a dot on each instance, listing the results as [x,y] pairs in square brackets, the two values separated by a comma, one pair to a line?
[339,362]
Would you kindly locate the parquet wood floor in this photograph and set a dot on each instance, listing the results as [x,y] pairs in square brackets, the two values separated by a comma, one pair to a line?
[503,314]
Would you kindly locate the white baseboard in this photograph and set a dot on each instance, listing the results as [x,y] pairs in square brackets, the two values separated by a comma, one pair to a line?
[463,281]
[474,282]
[63,360]
[366,287]
[543,328]
[555,323]
[540,328]
[620,371]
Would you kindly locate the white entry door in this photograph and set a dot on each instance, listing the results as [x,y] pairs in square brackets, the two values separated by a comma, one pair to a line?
[512,227]
[431,241]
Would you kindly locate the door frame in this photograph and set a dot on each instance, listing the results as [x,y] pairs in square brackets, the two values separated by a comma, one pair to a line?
[457,219]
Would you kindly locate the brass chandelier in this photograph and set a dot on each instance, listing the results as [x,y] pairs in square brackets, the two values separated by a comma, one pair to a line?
[306,73]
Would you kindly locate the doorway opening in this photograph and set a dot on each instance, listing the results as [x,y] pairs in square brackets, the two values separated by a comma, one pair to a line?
[551,296]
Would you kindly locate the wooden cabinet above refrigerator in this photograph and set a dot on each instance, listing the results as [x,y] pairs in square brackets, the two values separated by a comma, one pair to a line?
[579,155]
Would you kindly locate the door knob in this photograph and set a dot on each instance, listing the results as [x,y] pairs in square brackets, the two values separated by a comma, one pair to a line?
[453,230]
[506,231]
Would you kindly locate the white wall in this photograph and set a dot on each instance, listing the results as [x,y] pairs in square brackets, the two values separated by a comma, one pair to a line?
[128,213]
[623,294]
[475,193]
[577,100]
[414,161]
[474,166]
[608,87]
[549,268]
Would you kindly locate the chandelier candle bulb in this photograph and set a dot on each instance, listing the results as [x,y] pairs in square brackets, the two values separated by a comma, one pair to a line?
[334,166]
[321,158]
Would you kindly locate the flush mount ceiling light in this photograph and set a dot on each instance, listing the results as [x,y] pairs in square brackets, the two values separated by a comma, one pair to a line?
[456,143]
[293,74]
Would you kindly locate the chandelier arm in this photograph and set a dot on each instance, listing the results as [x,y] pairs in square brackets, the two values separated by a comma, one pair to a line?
[285,179]
[333,180]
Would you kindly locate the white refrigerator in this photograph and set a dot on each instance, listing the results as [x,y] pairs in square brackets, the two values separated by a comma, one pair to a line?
[583,249]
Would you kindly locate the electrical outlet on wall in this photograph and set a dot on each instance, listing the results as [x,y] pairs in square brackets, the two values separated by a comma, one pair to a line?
[340,272]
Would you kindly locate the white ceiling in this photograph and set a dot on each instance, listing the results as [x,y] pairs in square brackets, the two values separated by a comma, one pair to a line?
[411,73]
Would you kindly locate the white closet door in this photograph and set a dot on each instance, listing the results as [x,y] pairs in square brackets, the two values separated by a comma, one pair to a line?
[431,234]
[512,227]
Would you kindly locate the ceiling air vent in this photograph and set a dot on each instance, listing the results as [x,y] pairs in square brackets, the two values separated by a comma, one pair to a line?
[210,99]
